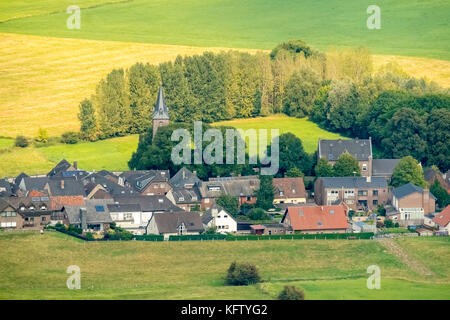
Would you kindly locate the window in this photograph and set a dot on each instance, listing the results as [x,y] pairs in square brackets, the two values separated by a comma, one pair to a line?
[162,186]
[375,202]
[127,216]
[8,224]
[364,167]
[8,214]
[156,186]
[44,218]
[362,192]
[281,193]
[375,192]
[225,216]
[207,200]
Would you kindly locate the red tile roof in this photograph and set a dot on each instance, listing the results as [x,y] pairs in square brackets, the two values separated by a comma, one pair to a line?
[291,187]
[57,202]
[442,218]
[317,217]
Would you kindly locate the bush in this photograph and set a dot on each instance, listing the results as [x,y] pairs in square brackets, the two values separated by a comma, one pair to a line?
[70,137]
[388,223]
[242,274]
[246,207]
[258,214]
[89,236]
[291,293]
[21,142]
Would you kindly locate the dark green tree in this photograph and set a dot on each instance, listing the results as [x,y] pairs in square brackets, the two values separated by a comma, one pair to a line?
[266,193]
[443,198]
[229,203]
[292,155]
[301,91]
[88,121]
[294,173]
[346,166]
[438,136]
[323,168]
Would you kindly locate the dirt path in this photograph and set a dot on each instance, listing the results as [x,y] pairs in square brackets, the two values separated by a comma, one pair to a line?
[412,263]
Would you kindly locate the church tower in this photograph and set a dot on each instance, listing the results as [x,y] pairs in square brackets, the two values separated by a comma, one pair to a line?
[161,113]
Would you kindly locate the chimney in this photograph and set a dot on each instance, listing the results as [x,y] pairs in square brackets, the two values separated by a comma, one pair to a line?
[75,165]
[184,174]
[62,184]
[83,218]
[426,201]
[369,179]
[194,172]
[321,208]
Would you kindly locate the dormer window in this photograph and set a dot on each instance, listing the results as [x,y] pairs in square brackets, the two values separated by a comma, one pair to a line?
[281,193]
[160,200]
[181,199]
[22,208]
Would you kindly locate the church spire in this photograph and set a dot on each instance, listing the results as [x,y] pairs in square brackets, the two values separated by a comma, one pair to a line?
[161,112]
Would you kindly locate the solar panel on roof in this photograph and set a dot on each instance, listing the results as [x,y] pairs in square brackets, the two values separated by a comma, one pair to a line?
[100,208]
[331,211]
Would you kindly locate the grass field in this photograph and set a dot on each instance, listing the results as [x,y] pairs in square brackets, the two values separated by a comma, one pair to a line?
[306,130]
[34,268]
[412,28]
[112,154]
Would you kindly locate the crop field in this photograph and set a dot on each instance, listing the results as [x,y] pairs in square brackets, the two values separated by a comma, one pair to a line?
[112,154]
[34,267]
[412,28]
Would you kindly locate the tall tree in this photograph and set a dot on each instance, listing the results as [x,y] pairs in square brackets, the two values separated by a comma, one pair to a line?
[88,120]
[301,91]
[408,170]
[443,198]
[438,136]
[229,203]
[266,193]
[292,155]
[323,168]
[346,166]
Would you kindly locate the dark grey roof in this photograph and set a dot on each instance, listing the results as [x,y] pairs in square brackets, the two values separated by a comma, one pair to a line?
[110,186]
[383,167]
[66,187]
[160,112]
[182,195]
[408,189]
[154,203]
[183,177]
[62,166]
[19,178]
[238,187]
[96,209]
[244,226]
[360,149]
[169,222]
[353,182]
[34,183]
[6,189]
[140,179]
[116,207]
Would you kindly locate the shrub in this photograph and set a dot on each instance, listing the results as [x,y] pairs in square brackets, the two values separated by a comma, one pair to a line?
[291,293]
[70,137]
[89,236]
[42,135]
[246,207]
[388,223]
[258,214]
[242,274]
[73,229]
[21,142]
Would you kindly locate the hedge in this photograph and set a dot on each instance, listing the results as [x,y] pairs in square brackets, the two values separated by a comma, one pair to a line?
[331,236]
[198,237]
[149,237]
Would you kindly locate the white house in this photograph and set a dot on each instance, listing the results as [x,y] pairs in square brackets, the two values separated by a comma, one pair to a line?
[129,217]
[217,217]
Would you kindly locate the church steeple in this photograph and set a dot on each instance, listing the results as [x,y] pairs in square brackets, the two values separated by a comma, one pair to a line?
[160,113]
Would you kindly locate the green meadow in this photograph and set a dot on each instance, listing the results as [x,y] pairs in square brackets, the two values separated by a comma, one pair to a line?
[411,28]
[34,267]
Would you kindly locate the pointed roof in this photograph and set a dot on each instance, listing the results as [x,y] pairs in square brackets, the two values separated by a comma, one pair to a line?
[161,111]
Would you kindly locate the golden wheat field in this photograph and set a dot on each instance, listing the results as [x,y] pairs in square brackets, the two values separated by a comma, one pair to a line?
[43,79]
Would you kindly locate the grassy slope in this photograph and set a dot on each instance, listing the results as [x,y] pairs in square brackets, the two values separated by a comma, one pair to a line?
[34,268]
[413,28]
[306,130]
[112,154]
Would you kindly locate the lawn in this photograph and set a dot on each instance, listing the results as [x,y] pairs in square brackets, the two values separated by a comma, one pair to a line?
[306,130]
[6,143]
[34,267]
[411,28]
[112,154]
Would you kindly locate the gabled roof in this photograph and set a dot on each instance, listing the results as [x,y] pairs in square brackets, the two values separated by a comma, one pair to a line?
[170,222]
[65,187]
[160,112]
[34,183]
[182,195]
[109,185]
[6,189]
[442,218]
[360,149]
[140,179]
[183,177]
[62,166]
[316,217]
[353,182]
[408,189]
[58,202]
[208,215]
[290,187]
[149,203]
[383,167]
[96,210]
[132,207]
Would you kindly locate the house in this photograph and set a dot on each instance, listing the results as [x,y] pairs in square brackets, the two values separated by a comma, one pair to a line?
[25,212]
[316,219]
[217,217]
[289,190]
[411,204]
[184,178]
[243,188]
[129,217]
[6,188]
[384,167]
[360,149]
[442,220]
[177,223]
[359,193]
[61,167]
[104,185]
[432,175]
[186,198]
[270,229]
[57,204]
[93,216]
[146,182]
[53,186]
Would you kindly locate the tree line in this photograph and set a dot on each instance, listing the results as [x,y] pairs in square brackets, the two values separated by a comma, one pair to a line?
[338,90]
